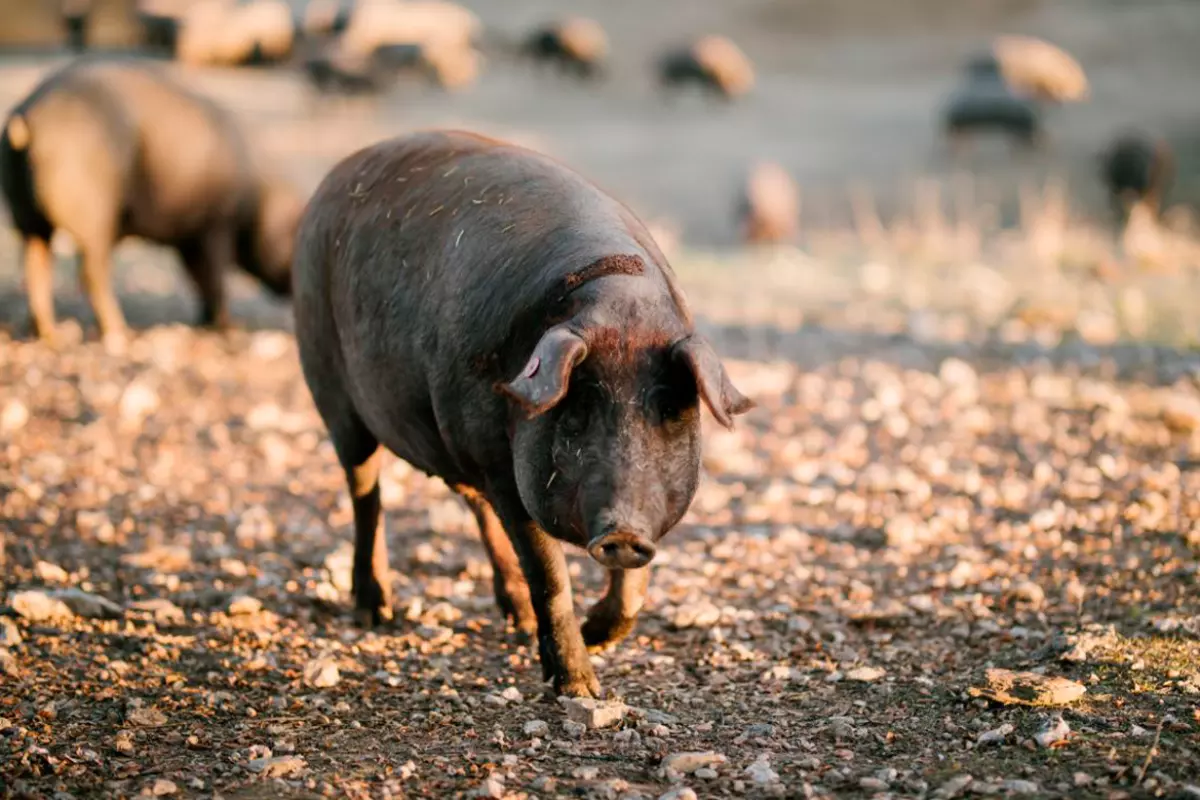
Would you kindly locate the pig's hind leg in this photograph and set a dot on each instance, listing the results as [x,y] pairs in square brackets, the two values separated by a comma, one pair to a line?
[39,286]
[370,582]
[508,583]
[98,284]
[360,455]
[613,617]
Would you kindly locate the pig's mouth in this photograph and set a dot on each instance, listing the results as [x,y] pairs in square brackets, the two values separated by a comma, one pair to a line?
[621,549]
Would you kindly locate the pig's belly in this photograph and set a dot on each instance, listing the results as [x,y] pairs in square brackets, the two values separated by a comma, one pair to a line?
[406,425]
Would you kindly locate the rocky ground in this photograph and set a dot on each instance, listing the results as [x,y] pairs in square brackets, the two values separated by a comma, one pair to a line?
[904,522]
[952,554]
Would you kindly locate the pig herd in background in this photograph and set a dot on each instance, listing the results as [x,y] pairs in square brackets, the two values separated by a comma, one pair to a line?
[365,46]
[1006,90]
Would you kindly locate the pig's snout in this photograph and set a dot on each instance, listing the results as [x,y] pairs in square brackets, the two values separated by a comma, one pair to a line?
[622,550]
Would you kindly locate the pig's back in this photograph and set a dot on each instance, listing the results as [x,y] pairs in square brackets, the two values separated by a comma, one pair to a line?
[185,163]
[462,229]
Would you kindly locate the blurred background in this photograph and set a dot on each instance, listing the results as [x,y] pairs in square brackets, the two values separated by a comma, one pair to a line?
[849,99]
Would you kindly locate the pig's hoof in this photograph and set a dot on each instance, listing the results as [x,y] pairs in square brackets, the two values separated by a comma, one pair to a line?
[514,603]
[372,607]
[602,632]
[579,686]
[368,618]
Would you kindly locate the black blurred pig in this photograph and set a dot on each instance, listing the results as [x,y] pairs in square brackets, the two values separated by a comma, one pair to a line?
[109,148]
[496,320]
[1137,168]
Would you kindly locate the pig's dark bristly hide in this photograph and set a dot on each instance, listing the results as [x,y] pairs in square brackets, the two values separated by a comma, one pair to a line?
[496,320]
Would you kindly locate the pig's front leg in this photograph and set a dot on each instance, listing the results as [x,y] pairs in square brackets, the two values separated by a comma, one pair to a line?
[508,582]
[613,617]
[560,643]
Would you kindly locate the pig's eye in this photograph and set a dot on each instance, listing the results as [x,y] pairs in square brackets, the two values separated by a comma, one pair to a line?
[669,403]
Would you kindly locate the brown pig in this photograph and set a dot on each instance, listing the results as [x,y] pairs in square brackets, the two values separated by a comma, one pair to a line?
[713,62]
[577,44]
[496,320]
[225,33]
[109,148]
[769,208]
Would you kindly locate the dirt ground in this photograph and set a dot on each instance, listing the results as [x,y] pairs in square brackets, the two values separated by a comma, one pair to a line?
[938,482]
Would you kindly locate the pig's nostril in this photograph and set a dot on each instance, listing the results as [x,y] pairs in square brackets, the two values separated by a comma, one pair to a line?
[621,550]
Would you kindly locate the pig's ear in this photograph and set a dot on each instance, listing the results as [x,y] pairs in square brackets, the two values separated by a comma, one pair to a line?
[719,394]
[543,381]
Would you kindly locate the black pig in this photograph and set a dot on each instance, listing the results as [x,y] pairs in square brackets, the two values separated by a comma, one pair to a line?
[578,45]
[496,320]
[108,148]
[985,104]
[1137,168]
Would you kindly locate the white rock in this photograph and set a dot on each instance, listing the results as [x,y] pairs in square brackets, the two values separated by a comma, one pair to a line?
[678,764]
[995,736]
[492,787]
[594,713]
[586,773]
[696,615]
[1055,730]
[535,727]
[321,673]
[1181,412]
[138,401]
[1017,786]
[865,674]
[706,774]
[241,604]
[782,673]
[146,717]
[14,416]
[162,609]
[512,694]
[339,563]
[871,784]
[760,772]
[574,729]
[37,606]
[276,766]
[956,372]
[50,573]
[163,787]
[678,793]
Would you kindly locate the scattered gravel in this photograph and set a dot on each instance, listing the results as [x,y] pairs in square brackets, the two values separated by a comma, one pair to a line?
[904,546]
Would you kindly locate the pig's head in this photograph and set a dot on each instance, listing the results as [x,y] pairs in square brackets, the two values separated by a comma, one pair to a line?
[606,446]
[267,239]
